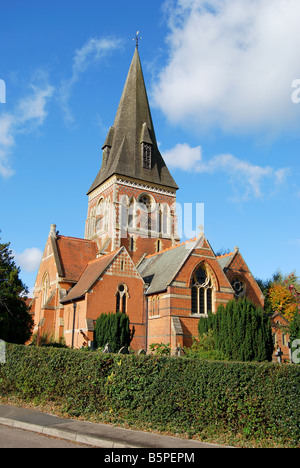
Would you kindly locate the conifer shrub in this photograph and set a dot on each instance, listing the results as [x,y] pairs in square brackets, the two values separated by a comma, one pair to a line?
[113,328]
[241,331]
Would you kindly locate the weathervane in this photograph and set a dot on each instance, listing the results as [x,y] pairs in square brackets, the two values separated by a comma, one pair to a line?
[137,38]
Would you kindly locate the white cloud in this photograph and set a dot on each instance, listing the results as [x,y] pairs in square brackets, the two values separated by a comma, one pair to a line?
[231,64]
[30,113]
[183,157]
[33,107]
[29,260]
[92,51]
[249,180]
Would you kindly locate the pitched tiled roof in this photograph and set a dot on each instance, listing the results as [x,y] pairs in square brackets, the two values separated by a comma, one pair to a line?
[225,260]
[73,254]
[159,270]
[91,273]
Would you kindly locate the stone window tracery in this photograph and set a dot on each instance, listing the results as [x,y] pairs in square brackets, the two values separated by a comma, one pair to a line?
[145,205]
[202,292]
[239,286]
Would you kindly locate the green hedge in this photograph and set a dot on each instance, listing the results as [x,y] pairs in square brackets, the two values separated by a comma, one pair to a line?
[178,395]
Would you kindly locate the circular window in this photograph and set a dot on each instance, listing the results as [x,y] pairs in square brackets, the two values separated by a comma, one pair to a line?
[146,201]
[239,286]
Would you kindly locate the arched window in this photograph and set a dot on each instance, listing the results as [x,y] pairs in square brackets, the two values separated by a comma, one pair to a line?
[131,243]
[92,222]
[100,215]
[45,288]
[121,298]
[131,213]
[159,219]
[123,215]
[166,219]
[202,292]
[145,205]
[158,245]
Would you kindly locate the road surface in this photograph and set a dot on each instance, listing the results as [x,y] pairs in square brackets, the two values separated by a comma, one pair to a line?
[18,438]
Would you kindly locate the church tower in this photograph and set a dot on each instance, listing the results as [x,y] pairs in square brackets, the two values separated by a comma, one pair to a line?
[132,200]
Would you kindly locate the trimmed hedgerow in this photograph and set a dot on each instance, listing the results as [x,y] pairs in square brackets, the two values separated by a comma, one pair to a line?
[175,394]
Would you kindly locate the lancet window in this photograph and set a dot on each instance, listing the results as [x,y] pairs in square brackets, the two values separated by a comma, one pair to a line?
[145,209]
[121,298]
[45,288]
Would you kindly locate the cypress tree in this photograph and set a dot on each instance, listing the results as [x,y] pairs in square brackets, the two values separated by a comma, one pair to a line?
[247,345]
[241,331]
[113,329]
[206,323]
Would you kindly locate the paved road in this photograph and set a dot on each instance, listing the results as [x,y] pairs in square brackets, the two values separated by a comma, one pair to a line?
[18,438]
[94,434]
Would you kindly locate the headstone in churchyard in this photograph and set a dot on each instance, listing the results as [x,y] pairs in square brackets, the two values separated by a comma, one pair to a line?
[107,349]
[179,351]
[123,350]
[2,352]
[279,354]
[141,351]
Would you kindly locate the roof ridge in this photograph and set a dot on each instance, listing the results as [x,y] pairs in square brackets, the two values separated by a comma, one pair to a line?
[74,238]
[172,247]
[114,252]
[225,255]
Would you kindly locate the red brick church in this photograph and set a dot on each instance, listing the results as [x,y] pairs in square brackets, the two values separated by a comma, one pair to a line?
[131,259]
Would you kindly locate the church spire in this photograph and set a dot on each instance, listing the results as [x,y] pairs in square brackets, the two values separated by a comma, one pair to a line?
[131,148]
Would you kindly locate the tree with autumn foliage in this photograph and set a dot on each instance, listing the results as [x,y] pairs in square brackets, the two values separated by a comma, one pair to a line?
[283,301]
[284,296]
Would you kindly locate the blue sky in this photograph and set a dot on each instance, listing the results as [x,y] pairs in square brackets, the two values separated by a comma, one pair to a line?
[220,77]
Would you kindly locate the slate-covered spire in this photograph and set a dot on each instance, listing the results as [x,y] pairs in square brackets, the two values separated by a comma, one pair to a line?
[131,148]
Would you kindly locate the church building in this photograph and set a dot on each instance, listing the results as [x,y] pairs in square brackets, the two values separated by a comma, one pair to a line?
[131,259]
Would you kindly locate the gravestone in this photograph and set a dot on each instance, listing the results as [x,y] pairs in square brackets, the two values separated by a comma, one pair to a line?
[279,354]
[123,350]
[107,349]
